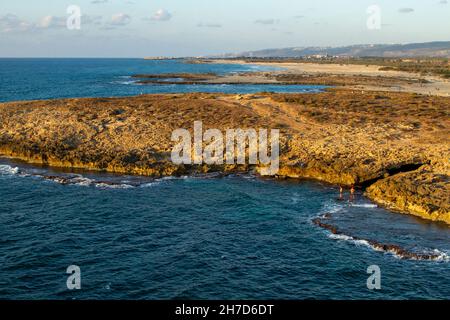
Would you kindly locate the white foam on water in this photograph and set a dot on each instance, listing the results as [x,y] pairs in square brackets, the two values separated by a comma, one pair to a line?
[332,208]
[364,205]
[329,208]
[362,243]
[358,242]
[149,185]
[8,170]
[102,185]
[126,82]
[440,255]
[81,181]
[168,178]
[341,237]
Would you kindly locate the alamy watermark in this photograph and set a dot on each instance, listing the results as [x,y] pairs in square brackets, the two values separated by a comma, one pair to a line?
[74,280]
[374,281]
[73,22]
[212,147]
[374,19]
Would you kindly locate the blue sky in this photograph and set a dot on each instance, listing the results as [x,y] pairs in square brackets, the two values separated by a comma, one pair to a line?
[136,28]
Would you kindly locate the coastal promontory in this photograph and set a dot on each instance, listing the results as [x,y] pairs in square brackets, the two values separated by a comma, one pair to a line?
[394,144]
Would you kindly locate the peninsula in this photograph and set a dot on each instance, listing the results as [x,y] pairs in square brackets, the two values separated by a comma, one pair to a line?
[394,145]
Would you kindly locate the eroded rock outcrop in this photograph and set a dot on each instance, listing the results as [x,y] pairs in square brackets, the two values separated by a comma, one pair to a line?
[424,193]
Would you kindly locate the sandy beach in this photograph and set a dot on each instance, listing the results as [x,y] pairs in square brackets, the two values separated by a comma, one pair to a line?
[399,81]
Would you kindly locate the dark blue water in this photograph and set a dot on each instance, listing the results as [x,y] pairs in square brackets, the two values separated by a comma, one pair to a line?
[31,79]
[203,237]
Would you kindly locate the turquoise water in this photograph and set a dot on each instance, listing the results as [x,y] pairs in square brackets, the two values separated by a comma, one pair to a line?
[202,238]
[205,237]
[31,79]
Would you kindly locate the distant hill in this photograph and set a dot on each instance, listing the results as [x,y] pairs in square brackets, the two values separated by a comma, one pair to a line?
[429,49]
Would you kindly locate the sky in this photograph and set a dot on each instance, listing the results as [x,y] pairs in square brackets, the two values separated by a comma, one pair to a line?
[140,28]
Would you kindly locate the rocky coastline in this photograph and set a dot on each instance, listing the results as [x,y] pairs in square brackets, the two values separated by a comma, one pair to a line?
[393,145]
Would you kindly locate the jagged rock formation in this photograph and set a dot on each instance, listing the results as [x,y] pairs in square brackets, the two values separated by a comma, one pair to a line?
[425,193]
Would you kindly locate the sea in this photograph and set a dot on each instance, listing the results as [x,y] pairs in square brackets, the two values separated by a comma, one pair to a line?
[194,237]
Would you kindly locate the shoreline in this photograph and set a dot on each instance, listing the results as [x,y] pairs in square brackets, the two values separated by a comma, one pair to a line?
[334,136]
[309,73]
[66,175]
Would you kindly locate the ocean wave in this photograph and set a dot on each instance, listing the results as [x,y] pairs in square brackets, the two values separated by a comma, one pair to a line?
[395,250]
[169,178]
[126,82]
[332,208]
[83,181]
[149,184]
[344,237]
[79,180]
[103,185]
[364,205]
[113,183]
[442,256]
[8,170]
[255,67]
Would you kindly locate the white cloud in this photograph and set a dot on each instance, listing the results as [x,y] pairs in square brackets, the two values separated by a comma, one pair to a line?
[120,19]
[406,10]
[162,15]
[209,25]
[52,22]
[12,23]
[266,21]
[91,20]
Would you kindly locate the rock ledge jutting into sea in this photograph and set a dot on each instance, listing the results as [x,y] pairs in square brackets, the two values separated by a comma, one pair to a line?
[395,144]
